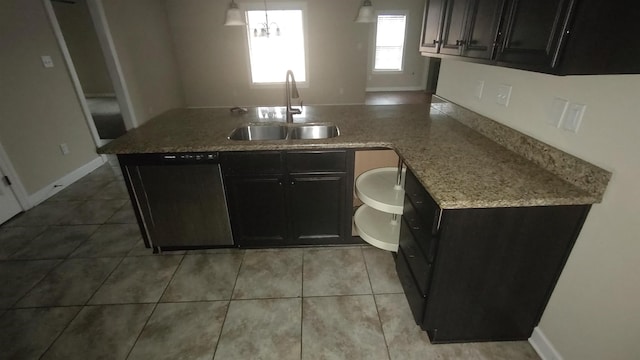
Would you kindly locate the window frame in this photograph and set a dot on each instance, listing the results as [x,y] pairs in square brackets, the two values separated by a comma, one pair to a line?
[375,71]
[259,6]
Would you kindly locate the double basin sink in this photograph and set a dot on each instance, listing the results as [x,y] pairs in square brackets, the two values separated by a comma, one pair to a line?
[284,131]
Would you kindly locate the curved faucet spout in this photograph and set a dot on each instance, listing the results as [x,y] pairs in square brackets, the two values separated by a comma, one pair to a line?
[291,91]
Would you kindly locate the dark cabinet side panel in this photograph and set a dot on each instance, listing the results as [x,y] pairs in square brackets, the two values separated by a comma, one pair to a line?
[495,270]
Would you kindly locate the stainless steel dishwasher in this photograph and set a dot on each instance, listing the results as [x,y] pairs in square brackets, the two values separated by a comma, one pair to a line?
[180,199]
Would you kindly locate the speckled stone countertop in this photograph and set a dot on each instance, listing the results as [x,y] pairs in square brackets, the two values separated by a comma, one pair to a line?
[459,167]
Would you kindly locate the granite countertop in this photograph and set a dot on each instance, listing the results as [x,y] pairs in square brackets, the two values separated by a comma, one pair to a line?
[460,167]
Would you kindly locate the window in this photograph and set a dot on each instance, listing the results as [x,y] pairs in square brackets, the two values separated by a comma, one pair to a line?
[280,49]
[389,49]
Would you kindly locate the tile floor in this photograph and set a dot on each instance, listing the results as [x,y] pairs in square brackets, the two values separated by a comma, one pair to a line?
[77,283]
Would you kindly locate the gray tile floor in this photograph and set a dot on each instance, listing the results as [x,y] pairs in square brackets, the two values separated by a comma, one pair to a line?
[77,283]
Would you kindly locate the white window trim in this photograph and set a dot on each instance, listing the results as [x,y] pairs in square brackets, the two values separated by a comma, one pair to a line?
[404,47]
[298,5]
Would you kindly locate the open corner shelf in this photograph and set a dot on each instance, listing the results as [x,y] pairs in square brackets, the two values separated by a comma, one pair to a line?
[378,220]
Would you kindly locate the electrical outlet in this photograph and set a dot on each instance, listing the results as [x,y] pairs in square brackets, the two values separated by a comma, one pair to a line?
[572,120]
[557,111]
[477,91]
[504,95]
[64,148]
[47,62]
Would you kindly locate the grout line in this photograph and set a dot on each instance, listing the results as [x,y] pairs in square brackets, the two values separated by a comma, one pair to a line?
[155,306]
[302,306]
[375,302]
[224,320]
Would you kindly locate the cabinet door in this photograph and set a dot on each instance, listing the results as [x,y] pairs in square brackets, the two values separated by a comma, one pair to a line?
[432,26]
[482,28]
[185,205]
[532,32]
[258,210]
[318,210]
[453,31]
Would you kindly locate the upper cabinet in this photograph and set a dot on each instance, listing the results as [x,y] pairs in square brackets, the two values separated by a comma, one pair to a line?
[562,37]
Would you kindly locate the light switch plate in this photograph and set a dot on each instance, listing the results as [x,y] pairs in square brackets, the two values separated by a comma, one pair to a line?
[504,95]
[557,111]
[573,118]
[47,62]
[477,91]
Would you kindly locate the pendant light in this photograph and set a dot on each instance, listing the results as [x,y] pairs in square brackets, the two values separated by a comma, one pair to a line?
[365,14]
[234,15]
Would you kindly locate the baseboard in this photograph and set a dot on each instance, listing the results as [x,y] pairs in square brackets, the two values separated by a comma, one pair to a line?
[543,346]
[89,95]
[56,186]
[396,88]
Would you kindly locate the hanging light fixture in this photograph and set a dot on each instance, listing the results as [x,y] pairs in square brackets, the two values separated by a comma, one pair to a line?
[266,27]
[365,13]
[234,15]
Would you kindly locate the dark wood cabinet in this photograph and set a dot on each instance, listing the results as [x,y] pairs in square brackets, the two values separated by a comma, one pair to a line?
[561,37]
[432,26]
[289,198]
[318,209]
[532,32]
[482,25]
[454,26]
[258,209]
[481,274]
[462,27]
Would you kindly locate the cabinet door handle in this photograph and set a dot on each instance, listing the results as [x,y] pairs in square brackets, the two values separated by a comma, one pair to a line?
[459,42]
[280,182]
[293,182]
[436,42]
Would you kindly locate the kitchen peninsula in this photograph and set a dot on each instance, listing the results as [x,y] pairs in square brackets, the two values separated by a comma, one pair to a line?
[490,214]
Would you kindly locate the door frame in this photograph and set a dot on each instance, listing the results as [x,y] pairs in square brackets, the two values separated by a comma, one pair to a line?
[112,61]
[17,187]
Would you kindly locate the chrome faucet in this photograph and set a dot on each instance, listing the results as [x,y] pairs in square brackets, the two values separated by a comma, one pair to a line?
[291,91]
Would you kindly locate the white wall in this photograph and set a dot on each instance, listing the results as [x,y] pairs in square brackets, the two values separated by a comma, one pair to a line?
[39,108]
[140,31]
[213,58]
[594,312]
[413,76]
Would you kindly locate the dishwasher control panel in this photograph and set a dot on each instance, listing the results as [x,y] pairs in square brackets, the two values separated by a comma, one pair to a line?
[190,157]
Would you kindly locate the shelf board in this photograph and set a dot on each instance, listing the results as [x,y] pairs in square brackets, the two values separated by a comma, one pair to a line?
[377,228]
[377,188]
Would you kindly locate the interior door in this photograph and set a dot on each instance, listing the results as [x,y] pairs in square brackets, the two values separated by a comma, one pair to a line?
[9,205]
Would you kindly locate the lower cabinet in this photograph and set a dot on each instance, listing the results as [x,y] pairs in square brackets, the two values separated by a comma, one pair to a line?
[289,198]
[481,274]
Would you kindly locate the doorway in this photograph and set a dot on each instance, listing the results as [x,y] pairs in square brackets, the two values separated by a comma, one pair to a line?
[96,85]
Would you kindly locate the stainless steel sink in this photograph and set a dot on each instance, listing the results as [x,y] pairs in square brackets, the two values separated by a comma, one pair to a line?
[260,132]
[314,131]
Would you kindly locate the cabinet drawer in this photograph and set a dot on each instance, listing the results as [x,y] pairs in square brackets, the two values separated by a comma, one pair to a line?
[415,299]
[317,161]
[418,263]
[252,163]
[424,208]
